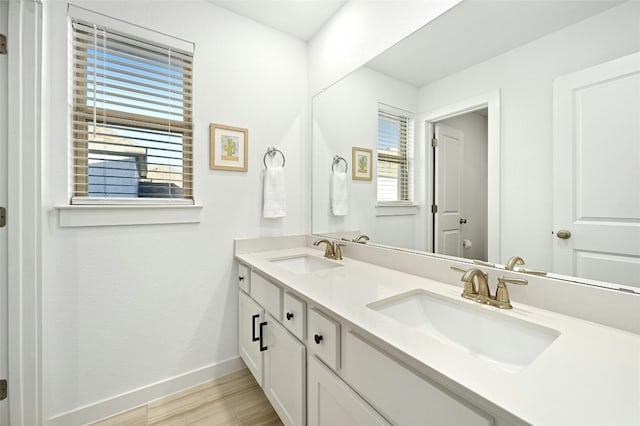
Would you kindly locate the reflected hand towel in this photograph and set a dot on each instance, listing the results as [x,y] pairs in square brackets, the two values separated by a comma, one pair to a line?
[339,201]
[275,203]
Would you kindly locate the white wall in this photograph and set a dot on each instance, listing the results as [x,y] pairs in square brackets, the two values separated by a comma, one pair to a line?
[361,30]
[347,116]
[125,307]
[525,77]
[474,181]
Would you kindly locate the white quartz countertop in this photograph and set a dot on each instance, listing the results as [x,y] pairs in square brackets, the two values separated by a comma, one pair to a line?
[590,375]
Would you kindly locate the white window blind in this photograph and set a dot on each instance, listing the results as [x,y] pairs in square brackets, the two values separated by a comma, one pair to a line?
[132,121]
[395,156]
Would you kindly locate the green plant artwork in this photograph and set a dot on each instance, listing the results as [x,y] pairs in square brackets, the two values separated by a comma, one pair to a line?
[229,147]
[363,164]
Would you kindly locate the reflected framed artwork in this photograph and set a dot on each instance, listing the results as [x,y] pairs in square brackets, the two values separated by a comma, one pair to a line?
[229,148]
[361,163]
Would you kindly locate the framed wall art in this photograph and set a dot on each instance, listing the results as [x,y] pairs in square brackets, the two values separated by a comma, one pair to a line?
[361,162]
[229,148]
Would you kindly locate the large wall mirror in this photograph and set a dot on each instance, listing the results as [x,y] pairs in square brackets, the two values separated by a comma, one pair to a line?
[500,129]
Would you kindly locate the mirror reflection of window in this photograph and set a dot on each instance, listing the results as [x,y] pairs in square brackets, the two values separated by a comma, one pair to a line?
[395,156]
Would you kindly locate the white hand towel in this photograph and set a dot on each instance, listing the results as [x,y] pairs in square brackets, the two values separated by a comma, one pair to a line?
[275,203]
[339,201]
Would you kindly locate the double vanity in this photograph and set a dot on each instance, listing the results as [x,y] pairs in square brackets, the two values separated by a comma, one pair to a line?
[346,342]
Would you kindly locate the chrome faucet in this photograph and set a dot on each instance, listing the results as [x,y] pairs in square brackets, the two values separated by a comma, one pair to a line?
[483,293]
[332,249]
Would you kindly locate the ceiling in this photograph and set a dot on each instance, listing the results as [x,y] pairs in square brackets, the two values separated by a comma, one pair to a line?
[472,31]
[301,19]
[476,30]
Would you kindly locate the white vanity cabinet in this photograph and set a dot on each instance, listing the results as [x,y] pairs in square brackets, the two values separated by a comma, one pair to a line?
[351,382]
[341,358]
[333,403]
[401,395]
[275,357]
[316,370]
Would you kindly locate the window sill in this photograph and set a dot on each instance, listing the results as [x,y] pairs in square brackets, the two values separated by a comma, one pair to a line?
[396,209]
[77,216]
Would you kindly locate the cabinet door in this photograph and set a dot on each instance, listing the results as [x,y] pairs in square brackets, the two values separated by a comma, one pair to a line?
[250,317]
[333,403]
[294,315]
[267,294]
[324,338]
[244,278]
[404,397]
[285,373]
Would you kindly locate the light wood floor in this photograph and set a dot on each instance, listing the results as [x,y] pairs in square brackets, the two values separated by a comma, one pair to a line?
[233,400]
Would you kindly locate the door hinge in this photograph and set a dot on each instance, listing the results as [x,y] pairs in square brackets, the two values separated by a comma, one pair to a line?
[3,44]
[3,217]
[434,208]
[3,389]
[434,142]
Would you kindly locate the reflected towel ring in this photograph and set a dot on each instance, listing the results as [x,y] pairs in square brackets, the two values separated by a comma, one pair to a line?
[271,151]
[337,159]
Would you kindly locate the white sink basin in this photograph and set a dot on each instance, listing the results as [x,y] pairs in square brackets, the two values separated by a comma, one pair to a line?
[304,263]
[510,343]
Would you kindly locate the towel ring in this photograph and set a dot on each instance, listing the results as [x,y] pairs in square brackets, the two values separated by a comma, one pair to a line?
[337,159]
[271,151]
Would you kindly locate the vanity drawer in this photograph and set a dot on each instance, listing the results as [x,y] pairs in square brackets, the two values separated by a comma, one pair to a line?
[324,338]
[267,294]
[244,278]
[293,315]
[398,393]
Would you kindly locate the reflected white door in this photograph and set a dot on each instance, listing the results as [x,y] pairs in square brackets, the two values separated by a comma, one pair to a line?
[4,405]
[449,163]
[596,163]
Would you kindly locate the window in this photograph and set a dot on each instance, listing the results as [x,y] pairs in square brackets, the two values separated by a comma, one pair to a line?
[132,125]
[395,156]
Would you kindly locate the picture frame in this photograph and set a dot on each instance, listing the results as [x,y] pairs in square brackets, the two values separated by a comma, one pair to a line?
[361,163]
[229,147]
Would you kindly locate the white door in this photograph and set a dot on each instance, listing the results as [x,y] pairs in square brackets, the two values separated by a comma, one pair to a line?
[4,369]
[285,374]
[596,164]
[250,315]
[449,162]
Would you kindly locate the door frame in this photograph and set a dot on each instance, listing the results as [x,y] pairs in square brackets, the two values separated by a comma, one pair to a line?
[491,101]
[24,210]
[4,261]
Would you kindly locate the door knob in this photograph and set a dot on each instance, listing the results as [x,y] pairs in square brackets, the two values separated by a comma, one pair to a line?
[463,221]
[563,234]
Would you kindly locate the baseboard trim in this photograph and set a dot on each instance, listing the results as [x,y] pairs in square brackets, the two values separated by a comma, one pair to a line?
[128,400]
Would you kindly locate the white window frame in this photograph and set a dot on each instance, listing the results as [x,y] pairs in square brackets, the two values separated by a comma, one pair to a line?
[94,211]
[399,207]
